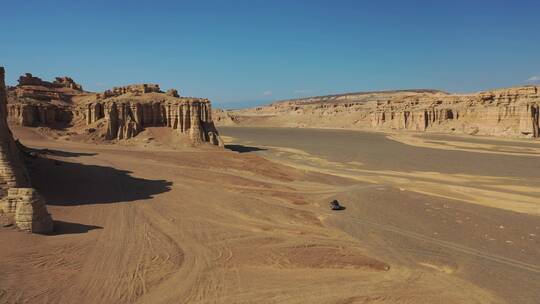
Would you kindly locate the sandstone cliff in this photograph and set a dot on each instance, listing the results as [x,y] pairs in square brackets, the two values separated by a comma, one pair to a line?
[35,102]
[511,112]
[117,114]
[17,201]
[127,114]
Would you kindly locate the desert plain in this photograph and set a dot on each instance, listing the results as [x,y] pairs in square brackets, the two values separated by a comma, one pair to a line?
[424,222]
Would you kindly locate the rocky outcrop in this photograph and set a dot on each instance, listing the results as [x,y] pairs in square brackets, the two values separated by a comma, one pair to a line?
[127,117]
[38,114]
[123,111]
[59,82]
[529,119]
[17,199]
[134,89]
[35,102]
[34,88]
[173,93]
[67,82]
[31,212]
[509,112]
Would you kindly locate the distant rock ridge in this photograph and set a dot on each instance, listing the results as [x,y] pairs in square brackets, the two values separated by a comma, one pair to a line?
[511,112]
[122,112]
[19,202]
[354,95]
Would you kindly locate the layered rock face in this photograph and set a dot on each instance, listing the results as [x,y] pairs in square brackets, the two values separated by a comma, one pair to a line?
[509,112]
[124,111]
[17,200]
[128,114]
[62,88]
[38,114]
[35,102]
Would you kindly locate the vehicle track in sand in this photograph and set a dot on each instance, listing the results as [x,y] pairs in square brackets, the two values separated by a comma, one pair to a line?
[445,244]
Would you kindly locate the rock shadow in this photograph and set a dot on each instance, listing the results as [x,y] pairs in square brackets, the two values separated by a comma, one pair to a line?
[65,183]
[243,149]
[62,153]
[32,152]
[61,227]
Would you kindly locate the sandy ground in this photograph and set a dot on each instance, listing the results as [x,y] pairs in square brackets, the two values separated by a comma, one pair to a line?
[152,225]
[466,213]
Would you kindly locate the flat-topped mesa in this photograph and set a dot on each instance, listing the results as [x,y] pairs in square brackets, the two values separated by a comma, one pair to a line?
[128,114]
[511,112]
[507,112]
[18,202]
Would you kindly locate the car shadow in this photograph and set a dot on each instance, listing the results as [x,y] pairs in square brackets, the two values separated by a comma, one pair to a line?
[243,149]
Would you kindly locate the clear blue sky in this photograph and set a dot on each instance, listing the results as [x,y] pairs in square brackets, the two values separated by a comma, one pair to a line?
[248,52]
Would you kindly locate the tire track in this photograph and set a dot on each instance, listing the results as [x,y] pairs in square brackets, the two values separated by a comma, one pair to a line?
[448,245]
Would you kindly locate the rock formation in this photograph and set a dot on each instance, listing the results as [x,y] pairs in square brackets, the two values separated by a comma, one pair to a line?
[59,82]
[17,200]
[128,114]
[62,88]
[38,114]
[31,212]
[512,112]
[173,93]
[35,102]
[134,88]
[123,111]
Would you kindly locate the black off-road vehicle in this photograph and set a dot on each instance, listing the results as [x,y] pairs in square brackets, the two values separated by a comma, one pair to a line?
[334,205]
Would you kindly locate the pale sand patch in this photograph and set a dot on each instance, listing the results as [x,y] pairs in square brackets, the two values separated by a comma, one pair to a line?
[412,140]
[227,139]
[498,192]
[442,268]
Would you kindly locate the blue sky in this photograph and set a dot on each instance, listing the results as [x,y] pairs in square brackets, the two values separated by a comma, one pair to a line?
[240,53]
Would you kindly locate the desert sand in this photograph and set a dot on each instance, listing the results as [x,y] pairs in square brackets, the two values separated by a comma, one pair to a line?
[468,209]
[148,224]
[152,225]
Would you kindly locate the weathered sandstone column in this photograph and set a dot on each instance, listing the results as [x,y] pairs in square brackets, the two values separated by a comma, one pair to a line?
[17,200]
[31,213]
